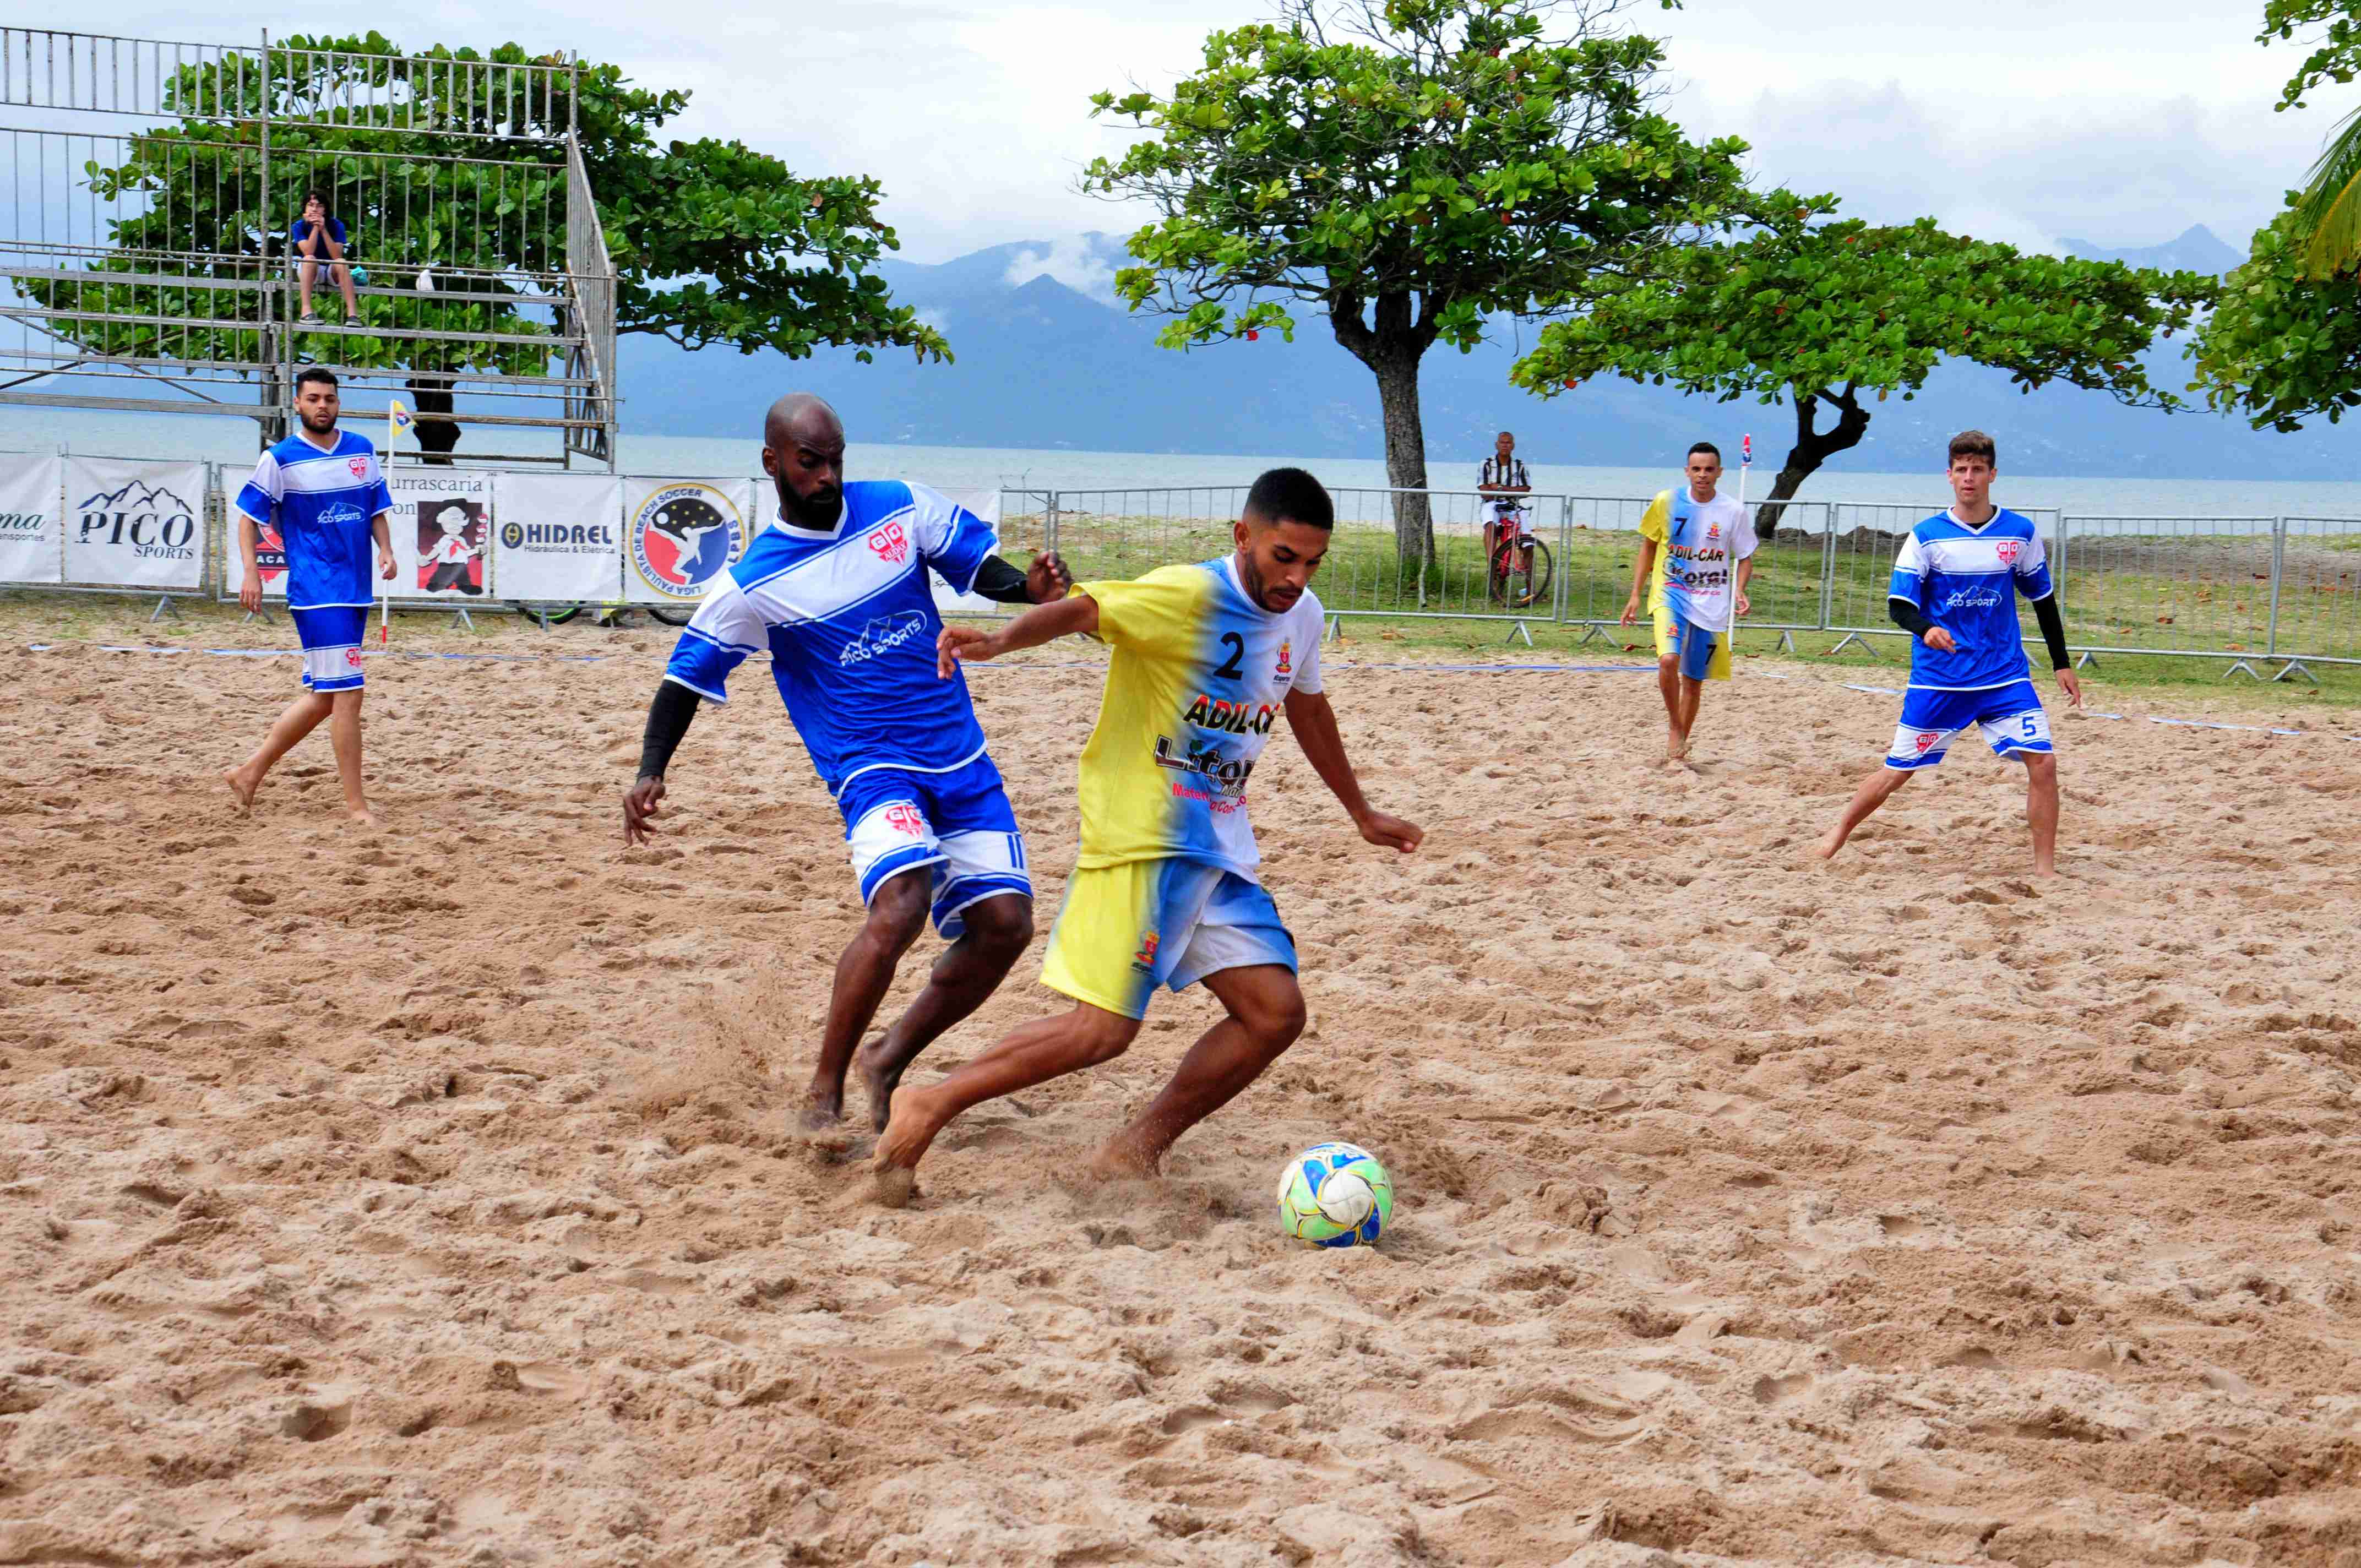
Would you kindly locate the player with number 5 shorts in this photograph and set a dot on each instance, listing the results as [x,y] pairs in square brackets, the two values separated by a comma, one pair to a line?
[1956,579]
[1205,660]
[839,594]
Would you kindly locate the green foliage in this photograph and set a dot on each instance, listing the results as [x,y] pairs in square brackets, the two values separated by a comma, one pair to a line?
[1437,160]
[1805,310]
[2335,48]
[712,243]
[2326,234]
[2282,346]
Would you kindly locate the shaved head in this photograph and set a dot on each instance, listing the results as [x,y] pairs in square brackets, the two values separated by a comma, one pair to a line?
[803,451]
[802,416]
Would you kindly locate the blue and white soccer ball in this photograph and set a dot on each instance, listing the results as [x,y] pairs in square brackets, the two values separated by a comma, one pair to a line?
[1335,1195]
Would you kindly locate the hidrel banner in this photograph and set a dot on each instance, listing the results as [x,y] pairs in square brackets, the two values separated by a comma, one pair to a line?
[134,524]
[32,541]
[556,538]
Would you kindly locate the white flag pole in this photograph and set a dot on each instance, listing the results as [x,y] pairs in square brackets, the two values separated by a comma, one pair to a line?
[1730,547]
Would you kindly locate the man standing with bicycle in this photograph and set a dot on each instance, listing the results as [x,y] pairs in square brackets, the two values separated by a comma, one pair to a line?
[1502,481]
[839,594]
[1688,538]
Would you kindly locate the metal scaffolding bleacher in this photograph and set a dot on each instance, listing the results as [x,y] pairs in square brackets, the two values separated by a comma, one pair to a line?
[145,259]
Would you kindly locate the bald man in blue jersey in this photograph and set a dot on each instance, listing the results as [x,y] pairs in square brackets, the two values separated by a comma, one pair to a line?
[837,594]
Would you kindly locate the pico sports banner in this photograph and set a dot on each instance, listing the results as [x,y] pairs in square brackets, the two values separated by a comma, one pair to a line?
[557,538]
[441,526]
[680,534]
[32,539]
[132,524]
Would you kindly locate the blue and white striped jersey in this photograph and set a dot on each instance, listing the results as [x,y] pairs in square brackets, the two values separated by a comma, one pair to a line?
[850,621]
[1966,581]
[321,501]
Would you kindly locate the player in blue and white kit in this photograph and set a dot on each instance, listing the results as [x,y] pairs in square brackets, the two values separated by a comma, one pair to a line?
[323,490]
[1956,579]
[837,594]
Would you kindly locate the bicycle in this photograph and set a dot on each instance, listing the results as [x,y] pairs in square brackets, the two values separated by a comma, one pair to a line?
[609,614]
[1519,572]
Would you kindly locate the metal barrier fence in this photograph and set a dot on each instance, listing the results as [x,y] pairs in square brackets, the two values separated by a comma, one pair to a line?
[2241,591]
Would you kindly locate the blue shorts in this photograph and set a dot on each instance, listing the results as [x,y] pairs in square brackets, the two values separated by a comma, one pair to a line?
[332,646]
[959,823]
[1678,637]
[2010,718]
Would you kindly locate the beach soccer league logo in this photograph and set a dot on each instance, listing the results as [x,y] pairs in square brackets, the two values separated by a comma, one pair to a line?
[682,537]
[452,534]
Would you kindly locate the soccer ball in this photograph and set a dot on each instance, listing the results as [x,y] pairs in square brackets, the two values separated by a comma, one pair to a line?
[1335,1195]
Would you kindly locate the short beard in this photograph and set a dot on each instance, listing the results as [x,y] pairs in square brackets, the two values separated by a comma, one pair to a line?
[807,514]
[317,429]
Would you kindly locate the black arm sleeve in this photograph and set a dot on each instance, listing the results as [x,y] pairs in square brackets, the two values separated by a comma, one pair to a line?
[2053,629]
[1001,582]
[668,718]
[1908,617]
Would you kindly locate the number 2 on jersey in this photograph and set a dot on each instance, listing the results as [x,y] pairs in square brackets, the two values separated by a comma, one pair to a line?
[1231,668]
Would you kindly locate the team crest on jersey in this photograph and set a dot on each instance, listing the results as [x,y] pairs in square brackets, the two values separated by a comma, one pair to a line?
[904,819]
[890,545]
[359,466]
[2010,551]
[683,535]
[1285,648]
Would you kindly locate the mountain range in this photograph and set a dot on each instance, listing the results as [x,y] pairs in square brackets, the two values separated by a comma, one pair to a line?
[1047,359]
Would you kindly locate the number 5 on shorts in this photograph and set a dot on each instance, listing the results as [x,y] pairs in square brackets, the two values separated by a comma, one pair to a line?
[2031,724]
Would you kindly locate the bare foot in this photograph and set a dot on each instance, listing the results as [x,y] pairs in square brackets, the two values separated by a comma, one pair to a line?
[1125,1158]
[911,1127]
[1676,749]
[239,786]
[1826,850]
[361,819]
[821,1114]
[877,1080]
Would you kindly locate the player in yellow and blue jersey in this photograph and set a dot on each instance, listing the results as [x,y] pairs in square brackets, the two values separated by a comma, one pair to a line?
[1205,659]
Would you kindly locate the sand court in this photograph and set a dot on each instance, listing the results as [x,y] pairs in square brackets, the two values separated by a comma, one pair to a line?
[424,1196]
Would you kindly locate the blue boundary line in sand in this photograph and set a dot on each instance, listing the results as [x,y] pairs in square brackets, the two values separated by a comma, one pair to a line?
[1498,669]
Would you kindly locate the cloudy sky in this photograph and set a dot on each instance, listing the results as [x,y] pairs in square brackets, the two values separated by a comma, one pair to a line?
[2023,120]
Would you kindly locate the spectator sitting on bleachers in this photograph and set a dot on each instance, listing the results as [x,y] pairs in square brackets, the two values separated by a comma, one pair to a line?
[320,240]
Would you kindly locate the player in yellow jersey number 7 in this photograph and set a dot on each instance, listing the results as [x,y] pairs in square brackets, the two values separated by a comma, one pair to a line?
[1165,891]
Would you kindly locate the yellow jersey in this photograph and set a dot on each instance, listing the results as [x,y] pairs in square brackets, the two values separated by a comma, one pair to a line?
[1199,675]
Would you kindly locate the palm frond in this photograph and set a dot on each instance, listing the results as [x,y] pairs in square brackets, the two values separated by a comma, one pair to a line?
[2328,209]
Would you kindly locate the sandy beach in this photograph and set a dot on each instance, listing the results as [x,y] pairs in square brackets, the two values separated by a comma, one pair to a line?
[424,1196]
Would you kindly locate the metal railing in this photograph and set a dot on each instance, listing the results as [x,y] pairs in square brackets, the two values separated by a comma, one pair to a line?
[443,94]
[2243,592]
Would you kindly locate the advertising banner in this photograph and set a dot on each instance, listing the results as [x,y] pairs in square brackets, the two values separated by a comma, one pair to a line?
[132,524]
[557,538]
[679,534]
[32,540]
[442,526]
